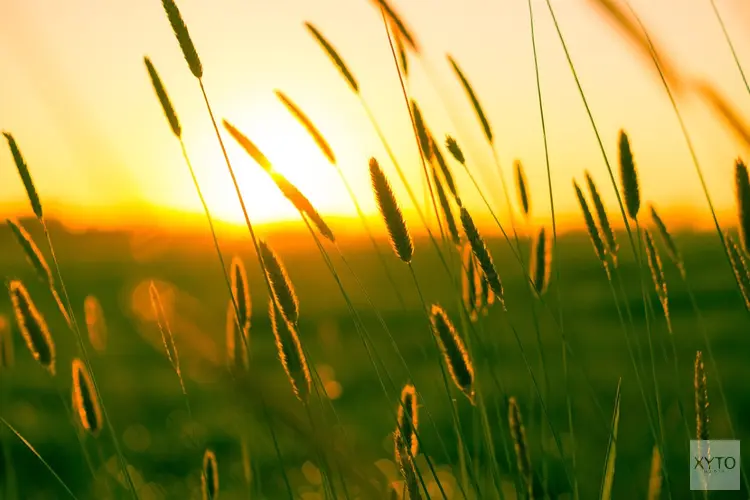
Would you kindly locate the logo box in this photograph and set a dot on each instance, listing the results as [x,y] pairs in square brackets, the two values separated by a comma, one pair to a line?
[715,465]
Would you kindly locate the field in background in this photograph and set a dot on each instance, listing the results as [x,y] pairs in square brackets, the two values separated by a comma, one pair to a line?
[144,400]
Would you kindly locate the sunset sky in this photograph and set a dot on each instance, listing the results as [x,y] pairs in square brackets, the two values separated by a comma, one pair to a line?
[77,98]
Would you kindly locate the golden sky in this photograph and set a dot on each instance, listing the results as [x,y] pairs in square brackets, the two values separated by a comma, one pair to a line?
[76,96]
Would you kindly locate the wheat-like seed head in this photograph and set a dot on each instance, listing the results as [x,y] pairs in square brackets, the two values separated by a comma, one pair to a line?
[486,295]
[290,352]
[445,206]
[450,182]
[281,284]
[401,50]
[474,100]
[629,177]
[701,399]
[210,476]
[484,258]
[521,185]
[389,209]
[739,268]
[32,252]
[302,204]
[518,434]
[601,214]
[161,93]
[163,324]
[456,356]
[672,250]
[334,56]
[237,354]
[85,402]
[23,172]
[249,147]
[541,261]
[183,37]
[7,353]
[408,418]
[455,150]
[469,292]
[654,480]
[398,24]
[32,326]
[657,272]
[593,231]
[423,134]
[95,323]
[406,465]
[742,194]
[241,291]
[305,121]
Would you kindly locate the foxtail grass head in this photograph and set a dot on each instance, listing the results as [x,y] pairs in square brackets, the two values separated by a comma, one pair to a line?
[739,268]
[238,339]
[400,26]
[521,185]
[290,352]
[594,235]
[474,100]
[32,252]
[423,134]
[482,253]
[469,292]
[601,214]
[445,207]
[455,150]
[210,476]
[391,212]
[629,177]
[7,352]
[521,446]
[742,194]
[32,326]
[183,37]
[657,273]
[241,291]
[541,261]
[250,148]
[443,168]
[85,401]
[161,94]
[302,204]
[96,325]
[408,420]
[337,60]
[666,237]
[23,172]
[309,126]
[281,284]
[701,399]
[452,346]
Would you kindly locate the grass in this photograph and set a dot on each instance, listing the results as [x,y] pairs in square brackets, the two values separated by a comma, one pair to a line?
[307,407]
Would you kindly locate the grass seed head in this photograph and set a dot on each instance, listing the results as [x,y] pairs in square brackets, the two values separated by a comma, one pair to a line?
[742,194]
[249,147]
[85,402]
[395,20]
[629,177]
[163,323]
[482,254]
[408,418]
[701,399]
[32,252]
[455,150]
[237,354]
[541,261]
[521,185]
[474,100]
[666,238]
[302,204]
[655,478]
[739,268]
[518,434]
[290,352]
[469,272]
[389,209]
[32,326]
[596,238]
[23,172]
[450,182]
[657,272]
[401,50]
[423,134]
[183,37]
[311,129]
[456,356]
[445,206]
[601,214]
[210,476]
[281,284]
[241,292]
[334,56]
[96,325]
[406,465]
[161,93]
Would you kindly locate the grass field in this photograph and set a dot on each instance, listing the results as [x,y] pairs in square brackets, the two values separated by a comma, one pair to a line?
[143,396]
